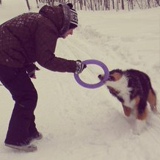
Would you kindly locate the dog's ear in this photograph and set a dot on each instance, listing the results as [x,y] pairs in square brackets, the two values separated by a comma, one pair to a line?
[116,71]
[115,75]
[111,78]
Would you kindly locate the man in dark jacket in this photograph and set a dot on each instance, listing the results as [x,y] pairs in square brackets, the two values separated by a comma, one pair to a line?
[25,39]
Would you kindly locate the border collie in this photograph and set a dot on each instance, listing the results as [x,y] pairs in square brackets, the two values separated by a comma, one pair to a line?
[134,90]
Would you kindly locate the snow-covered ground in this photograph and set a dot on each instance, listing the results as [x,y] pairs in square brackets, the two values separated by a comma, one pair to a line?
[89,124]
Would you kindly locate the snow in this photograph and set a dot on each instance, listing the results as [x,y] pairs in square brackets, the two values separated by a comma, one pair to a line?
[89,124]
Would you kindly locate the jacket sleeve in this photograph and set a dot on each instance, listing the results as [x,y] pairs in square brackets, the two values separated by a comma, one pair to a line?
[46,39]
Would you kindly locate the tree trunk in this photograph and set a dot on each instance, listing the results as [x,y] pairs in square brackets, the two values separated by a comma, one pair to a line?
[158,2]
[122,4]
[28,4]
[113,4]
[102,4]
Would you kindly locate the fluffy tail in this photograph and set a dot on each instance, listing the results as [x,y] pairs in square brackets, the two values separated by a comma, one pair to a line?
[152,100]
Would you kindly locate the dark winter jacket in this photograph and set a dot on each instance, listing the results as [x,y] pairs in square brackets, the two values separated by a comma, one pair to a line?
[32,37]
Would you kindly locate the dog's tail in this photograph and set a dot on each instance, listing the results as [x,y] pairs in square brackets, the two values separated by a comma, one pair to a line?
[152,100]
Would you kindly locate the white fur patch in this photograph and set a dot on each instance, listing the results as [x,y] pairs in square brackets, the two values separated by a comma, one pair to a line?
[122,86]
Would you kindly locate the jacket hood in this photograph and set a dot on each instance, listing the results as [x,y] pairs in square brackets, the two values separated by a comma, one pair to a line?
[59,15]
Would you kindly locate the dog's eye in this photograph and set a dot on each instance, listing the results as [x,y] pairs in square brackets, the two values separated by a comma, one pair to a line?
[111,78]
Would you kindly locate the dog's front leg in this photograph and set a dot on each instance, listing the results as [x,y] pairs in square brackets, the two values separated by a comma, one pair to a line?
[127,110]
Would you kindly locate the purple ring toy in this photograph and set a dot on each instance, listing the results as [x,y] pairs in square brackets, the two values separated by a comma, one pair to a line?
[96,85]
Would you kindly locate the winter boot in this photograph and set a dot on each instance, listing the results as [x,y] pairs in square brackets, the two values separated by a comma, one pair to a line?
[25,148]
[36,136]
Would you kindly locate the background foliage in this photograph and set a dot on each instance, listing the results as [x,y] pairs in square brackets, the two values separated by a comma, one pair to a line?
[106,4]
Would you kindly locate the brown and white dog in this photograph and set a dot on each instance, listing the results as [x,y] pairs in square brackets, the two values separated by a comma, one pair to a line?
[134,90]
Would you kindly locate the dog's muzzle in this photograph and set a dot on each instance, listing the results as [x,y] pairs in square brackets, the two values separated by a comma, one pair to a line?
[100,77]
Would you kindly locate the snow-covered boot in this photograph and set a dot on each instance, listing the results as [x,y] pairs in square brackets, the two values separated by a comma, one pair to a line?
[25,148]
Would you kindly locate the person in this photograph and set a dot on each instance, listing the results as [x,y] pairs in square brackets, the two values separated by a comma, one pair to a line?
[25,40]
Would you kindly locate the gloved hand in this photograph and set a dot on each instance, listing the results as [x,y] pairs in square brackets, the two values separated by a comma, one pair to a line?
[80,67]
[31,69]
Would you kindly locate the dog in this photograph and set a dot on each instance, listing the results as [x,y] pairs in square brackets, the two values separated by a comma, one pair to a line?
[134,90]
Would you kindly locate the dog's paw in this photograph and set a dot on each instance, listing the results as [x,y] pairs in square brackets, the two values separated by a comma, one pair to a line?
[139,127]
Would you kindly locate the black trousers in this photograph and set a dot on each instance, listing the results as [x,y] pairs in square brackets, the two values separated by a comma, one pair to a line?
[22,123]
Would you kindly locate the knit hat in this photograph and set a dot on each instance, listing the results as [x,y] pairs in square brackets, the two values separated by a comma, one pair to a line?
[74,17]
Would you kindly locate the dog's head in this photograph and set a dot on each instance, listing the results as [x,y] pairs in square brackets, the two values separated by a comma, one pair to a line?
[114,76]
